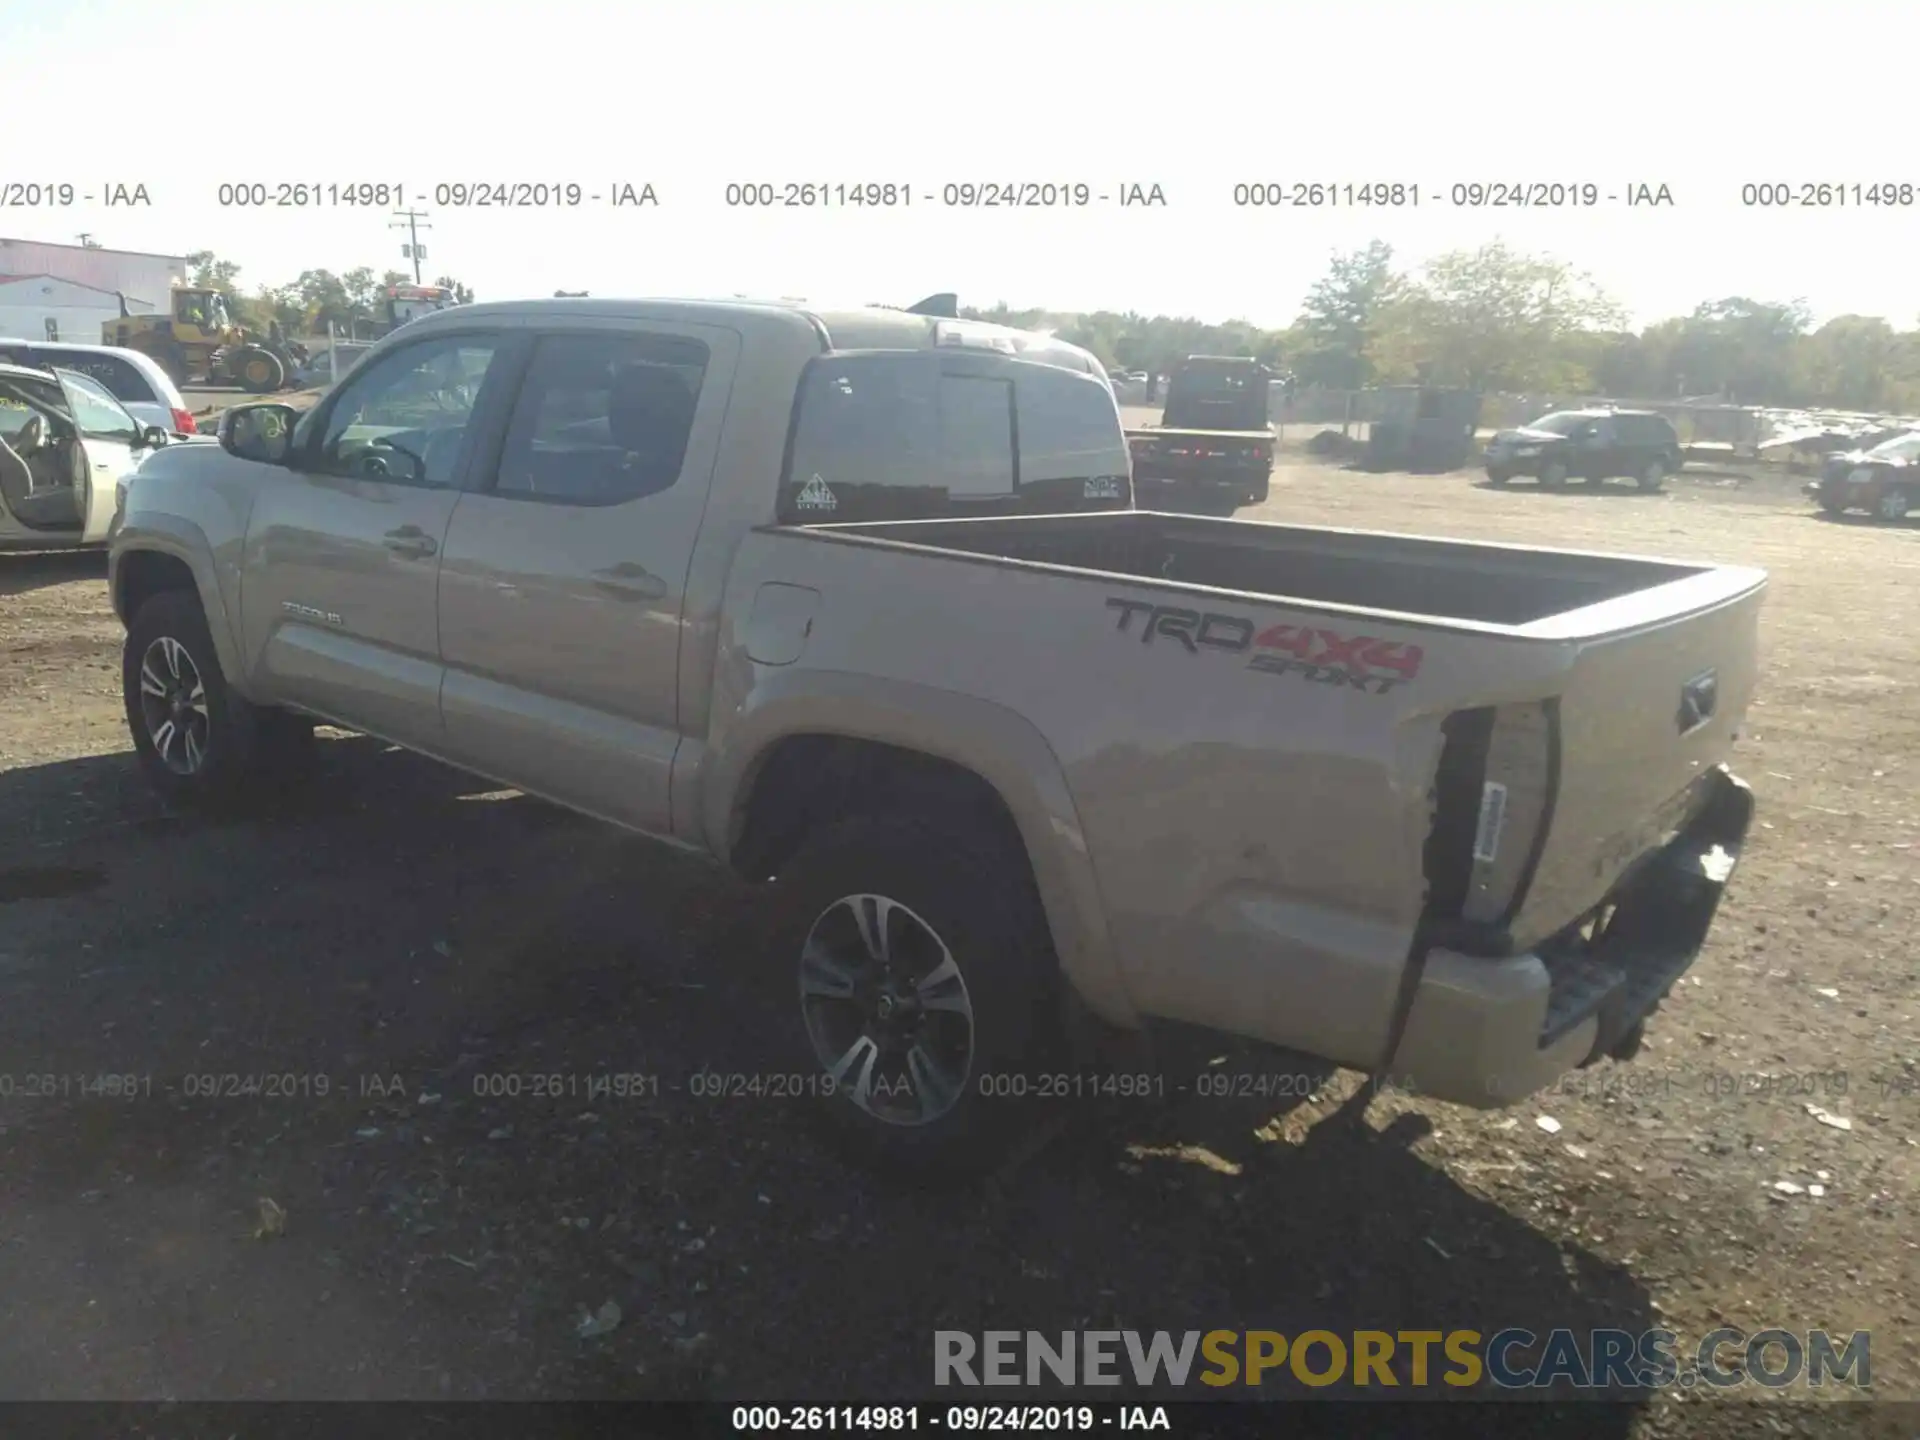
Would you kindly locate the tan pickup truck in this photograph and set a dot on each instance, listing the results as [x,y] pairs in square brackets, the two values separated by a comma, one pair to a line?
[857,601]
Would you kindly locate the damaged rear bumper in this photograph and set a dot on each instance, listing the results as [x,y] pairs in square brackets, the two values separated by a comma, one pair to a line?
[1487,1032]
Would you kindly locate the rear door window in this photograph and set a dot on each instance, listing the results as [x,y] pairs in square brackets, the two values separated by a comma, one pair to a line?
[866,438]
[602,419]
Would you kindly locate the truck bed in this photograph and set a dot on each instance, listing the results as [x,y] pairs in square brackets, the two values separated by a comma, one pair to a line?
[1415,577]
[1288,653]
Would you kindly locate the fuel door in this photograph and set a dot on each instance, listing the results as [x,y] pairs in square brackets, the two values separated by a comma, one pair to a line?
[780,622]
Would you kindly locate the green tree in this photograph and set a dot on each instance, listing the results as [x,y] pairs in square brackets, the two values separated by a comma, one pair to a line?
[206,271]
[461,294]
[1744,350]
[1493,319]
[324,301]
[1339,320]
[363,293]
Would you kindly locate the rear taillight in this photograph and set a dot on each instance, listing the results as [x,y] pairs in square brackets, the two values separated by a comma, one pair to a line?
[183,423]
[1492,799]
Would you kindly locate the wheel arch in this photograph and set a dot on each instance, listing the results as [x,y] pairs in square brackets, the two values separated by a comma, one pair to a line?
[165,560]
[812,748]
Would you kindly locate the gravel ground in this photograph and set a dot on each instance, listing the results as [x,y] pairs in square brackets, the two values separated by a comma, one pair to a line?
[434,970]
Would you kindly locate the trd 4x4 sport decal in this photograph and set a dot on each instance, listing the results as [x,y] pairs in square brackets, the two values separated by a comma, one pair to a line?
[1365,662]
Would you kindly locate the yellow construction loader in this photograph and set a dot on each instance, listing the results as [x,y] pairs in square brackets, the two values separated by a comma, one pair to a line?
[197,340]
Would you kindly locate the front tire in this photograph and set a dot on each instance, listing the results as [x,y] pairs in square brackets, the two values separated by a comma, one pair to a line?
[259,372]
[198,742]
[921,983]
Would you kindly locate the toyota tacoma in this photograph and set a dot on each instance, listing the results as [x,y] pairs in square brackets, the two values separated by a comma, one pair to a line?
[858,603]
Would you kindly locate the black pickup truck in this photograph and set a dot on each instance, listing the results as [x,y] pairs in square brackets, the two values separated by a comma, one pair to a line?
[1213,448]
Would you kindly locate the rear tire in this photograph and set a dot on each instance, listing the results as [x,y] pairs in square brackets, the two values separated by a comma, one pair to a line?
[1654,476]
[958,906]
[198,742]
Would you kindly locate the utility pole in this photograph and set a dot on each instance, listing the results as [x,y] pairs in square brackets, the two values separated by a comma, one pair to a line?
[410,221]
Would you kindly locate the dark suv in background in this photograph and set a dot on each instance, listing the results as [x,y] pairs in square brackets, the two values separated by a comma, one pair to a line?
[1587,445]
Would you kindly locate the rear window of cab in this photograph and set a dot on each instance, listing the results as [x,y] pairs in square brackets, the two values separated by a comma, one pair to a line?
[904,435]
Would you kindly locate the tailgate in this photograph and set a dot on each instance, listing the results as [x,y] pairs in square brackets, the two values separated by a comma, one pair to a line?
[1645,716]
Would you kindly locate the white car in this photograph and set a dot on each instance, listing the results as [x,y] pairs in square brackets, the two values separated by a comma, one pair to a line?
[137,381]
[67,448]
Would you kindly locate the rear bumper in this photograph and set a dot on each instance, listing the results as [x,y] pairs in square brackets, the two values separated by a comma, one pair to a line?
[1488,1032]
[1225,479]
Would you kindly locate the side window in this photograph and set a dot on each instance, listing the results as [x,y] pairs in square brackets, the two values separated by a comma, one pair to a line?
[1602,432]
[602,419]
[405,417]
[976,436]
[1071,445]
[121,380]
[866,440]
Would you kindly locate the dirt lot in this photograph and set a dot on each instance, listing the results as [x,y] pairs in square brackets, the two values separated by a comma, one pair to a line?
[404,939]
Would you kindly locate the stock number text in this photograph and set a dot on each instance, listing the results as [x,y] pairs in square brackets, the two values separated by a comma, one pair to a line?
[1827,195]
[1325,195]
[308,195]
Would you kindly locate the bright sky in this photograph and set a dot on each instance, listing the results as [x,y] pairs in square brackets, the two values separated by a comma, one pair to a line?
[1195,97]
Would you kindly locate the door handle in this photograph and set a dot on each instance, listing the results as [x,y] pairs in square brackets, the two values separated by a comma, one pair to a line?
[411,542]
[630,582]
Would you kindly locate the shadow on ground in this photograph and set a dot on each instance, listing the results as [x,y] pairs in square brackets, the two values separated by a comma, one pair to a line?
[36,570]
[466,1046]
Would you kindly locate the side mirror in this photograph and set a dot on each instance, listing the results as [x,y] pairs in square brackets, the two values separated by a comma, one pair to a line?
[262,432]
[153,437]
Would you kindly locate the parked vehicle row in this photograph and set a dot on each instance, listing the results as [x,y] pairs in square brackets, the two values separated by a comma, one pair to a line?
[858,601]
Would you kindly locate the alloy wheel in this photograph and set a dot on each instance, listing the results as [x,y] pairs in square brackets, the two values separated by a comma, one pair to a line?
[887,1010]
[173,703]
